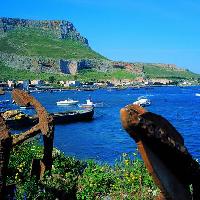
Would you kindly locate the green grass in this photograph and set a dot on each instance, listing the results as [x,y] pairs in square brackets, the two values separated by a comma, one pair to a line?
[7,73]
[152,71]
[82,180]
[36,42]
[93,75]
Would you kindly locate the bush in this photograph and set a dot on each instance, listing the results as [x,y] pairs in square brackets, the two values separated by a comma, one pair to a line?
[74,179]
[128,179]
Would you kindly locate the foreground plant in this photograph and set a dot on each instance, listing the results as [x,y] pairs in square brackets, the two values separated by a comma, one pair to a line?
[128,179]
[74,179]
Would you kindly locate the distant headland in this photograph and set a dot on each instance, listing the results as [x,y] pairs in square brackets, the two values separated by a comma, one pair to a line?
[45,48]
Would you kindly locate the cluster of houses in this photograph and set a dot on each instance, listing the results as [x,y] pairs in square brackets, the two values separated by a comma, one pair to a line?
[40,84]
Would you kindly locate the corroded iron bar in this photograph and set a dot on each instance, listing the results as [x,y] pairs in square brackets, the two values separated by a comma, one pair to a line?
[20,138]
[5,148]
[7,141]
[45,125]
[24,99]
[164,153]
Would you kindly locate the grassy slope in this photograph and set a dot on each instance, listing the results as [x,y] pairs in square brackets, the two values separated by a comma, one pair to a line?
[152,71]
[7,73]
[90,75]
[35,42]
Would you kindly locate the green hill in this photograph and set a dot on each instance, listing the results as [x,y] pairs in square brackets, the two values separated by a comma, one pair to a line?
[39,49]
[37,42]
[154,71]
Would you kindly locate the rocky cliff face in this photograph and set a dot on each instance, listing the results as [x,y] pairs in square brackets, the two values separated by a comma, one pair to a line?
[63,29]
[44,64]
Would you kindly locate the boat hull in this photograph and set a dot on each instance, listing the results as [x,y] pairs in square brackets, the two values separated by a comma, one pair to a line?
[73,116]
[59,118]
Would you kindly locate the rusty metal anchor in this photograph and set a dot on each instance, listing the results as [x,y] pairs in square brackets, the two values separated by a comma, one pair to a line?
[162,148]
[7,141]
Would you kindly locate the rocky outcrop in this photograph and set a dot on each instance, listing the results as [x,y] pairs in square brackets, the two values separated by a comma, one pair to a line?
[130,67]
[44,64]
[33,63]
[73,66]
[63,29]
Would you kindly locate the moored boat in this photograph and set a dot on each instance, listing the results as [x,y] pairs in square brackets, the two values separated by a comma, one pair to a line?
[142,101]
[26,107]
[197,94]
[72,116]
[17,120]
[90,104]
[67,102]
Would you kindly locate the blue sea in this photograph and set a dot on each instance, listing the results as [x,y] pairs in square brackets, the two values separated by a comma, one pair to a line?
[104,139]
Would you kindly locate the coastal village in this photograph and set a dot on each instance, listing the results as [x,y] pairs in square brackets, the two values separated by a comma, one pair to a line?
[35,85]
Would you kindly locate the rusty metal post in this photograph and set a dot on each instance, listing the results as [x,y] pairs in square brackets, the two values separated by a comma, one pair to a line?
[5,148]
[162,148]
[45,126]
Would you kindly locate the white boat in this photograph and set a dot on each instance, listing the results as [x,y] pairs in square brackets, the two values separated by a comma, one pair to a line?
[197,94]
[26,107]
[88,104]
[142,101]
[67,102]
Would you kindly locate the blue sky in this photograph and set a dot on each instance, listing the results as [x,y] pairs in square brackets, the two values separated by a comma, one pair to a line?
[126,30]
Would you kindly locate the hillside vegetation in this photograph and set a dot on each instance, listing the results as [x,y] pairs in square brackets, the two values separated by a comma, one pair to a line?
[153,71]
[7,73]
[37,42]
[93,75]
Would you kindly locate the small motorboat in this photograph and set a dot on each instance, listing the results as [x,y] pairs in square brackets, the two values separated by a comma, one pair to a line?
[142,101]
[197,94]
[26,107]
[91,104]
[88,104]
[67,102]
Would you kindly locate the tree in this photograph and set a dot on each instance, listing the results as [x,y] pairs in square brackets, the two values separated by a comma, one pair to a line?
[51,79]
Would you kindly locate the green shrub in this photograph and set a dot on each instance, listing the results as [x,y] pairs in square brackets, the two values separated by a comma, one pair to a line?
[74,179]
[128,179]
[95,182]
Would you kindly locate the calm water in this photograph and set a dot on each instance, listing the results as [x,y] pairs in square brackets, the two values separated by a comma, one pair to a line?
[104,139]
